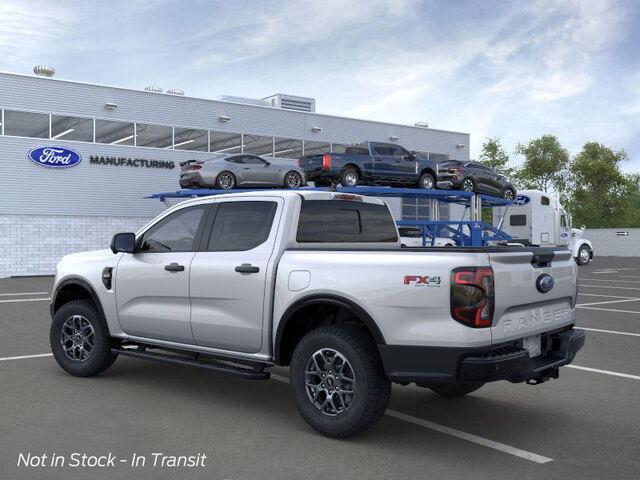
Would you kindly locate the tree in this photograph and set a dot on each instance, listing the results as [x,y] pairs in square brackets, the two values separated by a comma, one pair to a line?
[602,196]
[494,156]
[545,164]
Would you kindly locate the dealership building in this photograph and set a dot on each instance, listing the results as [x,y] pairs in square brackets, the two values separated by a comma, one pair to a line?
[129,144]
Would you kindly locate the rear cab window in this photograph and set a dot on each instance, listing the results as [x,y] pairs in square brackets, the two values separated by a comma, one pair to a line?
[241,226]
[360,149]
[343,221]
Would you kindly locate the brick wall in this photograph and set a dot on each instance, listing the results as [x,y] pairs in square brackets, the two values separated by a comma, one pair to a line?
[34,244]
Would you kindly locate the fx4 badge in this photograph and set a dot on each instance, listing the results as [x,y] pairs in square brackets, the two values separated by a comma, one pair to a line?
[422,280]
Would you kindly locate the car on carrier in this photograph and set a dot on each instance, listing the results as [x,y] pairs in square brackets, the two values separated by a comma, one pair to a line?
[474,177]
[371,163]
[316,281]
[226,172]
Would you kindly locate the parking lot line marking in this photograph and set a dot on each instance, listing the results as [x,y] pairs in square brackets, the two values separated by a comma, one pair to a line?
[606,372]
[608,280]
[610,331]
[607,301]
[24,357]
[609,286]
[23,293]
[609,310]
[517,452]
[601,295]
[16,300]
[534,457]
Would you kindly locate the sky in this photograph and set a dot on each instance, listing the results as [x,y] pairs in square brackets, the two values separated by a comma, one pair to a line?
[514,70]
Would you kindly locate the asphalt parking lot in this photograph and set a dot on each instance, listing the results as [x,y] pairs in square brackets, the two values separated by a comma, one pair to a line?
[584,425]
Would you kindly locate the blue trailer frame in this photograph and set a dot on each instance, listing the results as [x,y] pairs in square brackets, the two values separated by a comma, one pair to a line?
[479,233]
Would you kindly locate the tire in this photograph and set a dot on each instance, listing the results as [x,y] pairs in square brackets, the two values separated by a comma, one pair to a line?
[584,255]
[82,314]
[427,182]
[292,179]
[456,389]
[349,177]
[468,185]
[509,194]
[371,389]
[225,180]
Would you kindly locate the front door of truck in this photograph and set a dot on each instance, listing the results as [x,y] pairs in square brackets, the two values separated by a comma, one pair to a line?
[229,275]
[391,163]
[152,284]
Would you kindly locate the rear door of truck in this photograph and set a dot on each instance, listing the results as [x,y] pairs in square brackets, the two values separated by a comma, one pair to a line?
[535,292]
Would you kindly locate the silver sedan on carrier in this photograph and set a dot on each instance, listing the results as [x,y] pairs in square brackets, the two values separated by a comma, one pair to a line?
[241,170]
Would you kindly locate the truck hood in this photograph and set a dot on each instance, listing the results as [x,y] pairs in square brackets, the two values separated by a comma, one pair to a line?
[92,256]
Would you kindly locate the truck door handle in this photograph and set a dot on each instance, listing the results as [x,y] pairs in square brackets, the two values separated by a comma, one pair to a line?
[247,268]
[174,267]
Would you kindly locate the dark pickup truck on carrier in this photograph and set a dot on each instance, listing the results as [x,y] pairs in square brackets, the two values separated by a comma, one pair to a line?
[371,163]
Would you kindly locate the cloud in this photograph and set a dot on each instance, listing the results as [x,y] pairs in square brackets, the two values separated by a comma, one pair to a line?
[291,25]
[31,29]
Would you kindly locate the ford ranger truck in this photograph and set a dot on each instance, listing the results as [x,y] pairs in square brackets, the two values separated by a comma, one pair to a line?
[371,163]
[316,281]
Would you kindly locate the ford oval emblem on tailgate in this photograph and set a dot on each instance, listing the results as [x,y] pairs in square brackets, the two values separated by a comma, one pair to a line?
[545,283]
[55,157]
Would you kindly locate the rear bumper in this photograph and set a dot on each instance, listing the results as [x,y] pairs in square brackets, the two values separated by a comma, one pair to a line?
[191,179]
[318,173]
[425,365]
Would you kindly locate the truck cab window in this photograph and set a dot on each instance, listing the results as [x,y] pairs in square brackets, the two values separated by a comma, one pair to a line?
[517,220]
[341,221]
[240,226]
[174,233]
[545,201]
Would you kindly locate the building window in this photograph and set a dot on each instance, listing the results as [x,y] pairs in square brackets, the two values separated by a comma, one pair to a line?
[227,143]
[157,136]
[26,124]
[287,148]
[71,128]
[190,139]
[114,133]
[257,145]
[316,148]
[338,147]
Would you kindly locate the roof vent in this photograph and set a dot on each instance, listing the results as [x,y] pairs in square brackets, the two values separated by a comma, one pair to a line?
[175,91]
[153,88]
[292,102]
[44,71]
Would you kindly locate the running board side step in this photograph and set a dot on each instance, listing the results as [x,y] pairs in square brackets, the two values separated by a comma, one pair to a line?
[252,372]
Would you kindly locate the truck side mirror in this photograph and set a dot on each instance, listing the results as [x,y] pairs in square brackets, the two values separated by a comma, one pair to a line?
[123,242]
[583,227]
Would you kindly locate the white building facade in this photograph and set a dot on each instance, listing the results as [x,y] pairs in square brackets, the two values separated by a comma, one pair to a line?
[129,144]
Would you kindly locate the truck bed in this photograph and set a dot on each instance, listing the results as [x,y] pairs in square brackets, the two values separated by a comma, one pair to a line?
[419,314]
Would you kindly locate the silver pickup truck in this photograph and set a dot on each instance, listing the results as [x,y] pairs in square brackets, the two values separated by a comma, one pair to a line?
[317,281]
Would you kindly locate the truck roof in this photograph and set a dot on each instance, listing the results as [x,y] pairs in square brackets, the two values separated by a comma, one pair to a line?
[305,194]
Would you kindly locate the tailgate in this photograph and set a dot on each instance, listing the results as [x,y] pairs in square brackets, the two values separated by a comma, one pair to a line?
[312,163]
[521,308]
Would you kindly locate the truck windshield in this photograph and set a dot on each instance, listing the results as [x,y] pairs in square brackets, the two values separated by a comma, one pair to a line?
[342,221]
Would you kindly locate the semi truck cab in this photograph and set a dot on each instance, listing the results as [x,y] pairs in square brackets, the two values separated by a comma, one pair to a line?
[538,218]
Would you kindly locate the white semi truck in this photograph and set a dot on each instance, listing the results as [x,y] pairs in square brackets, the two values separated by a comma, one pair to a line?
[538,218]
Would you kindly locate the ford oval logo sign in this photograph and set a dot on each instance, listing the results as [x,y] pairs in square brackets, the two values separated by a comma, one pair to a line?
[521,200]
[545,283]
[55,157]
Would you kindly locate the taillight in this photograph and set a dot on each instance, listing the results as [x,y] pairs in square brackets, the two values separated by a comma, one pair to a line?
[196,167]
[472,296]
[326,161]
